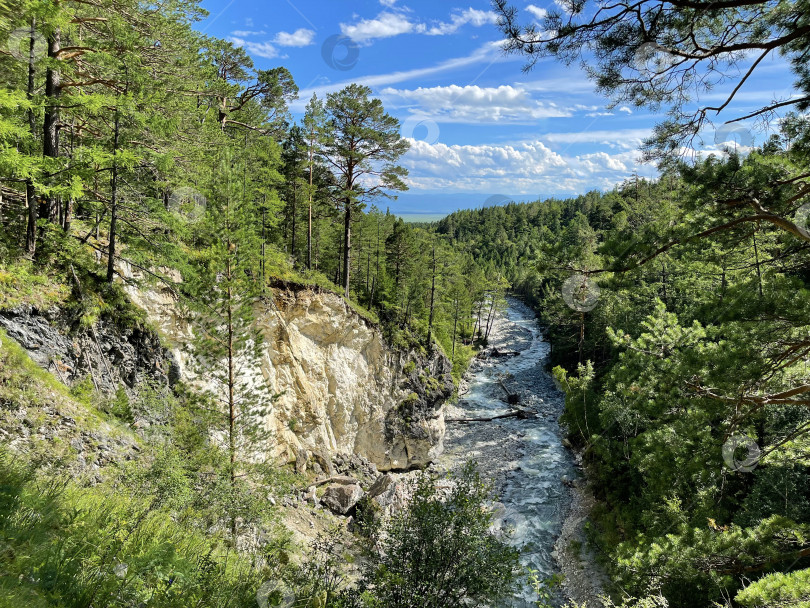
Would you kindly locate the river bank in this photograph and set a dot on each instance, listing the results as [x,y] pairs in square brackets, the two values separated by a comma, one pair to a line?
[584,580]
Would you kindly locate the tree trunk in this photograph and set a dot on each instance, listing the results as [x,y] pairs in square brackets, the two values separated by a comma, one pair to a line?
[264,248]
[347,237]
[489,316]
[68,217]
[377,266]
[231,391]
[455,324]
[756,257]
[30,195]
[432,299]
[50,142]
[339,271]
[294,213]
[309,216]
[113,200]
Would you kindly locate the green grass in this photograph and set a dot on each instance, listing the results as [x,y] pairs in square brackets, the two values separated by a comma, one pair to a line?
[286,276]
[21,283]
[142,537]
[31,394]
[72,547]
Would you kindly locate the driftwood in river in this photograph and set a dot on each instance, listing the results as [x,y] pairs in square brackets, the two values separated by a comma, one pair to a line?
[522,414]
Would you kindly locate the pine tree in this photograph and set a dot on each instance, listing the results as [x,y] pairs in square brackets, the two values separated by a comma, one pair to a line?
[362,144]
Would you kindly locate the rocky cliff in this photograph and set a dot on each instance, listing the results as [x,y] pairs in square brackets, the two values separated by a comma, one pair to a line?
[340,387]
[111,355]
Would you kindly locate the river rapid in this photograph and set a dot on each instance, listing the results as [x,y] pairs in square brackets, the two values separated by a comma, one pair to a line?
[524,458]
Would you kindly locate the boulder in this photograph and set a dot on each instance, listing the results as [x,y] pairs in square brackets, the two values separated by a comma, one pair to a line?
[311,496]
[325,462]
[341,498]
[380,485]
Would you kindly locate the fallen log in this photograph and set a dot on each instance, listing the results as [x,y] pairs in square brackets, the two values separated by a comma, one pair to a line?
[522,414]
[511,398]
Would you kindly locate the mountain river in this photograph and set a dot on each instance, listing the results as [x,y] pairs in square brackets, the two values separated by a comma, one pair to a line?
[524,457]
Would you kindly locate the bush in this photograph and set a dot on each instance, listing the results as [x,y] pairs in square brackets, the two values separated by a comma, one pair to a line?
[441,551]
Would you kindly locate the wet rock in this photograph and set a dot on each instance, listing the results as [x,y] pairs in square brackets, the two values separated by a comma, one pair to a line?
[340,499]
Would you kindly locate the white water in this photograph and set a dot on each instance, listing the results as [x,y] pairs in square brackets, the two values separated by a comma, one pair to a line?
[524,458]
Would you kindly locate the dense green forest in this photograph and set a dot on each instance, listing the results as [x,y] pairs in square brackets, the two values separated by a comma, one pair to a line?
[130,137]
[677,310]
[128,140]
[693,350]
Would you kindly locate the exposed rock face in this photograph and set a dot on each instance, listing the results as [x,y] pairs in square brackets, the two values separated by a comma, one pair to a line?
[340,387]
[114,356]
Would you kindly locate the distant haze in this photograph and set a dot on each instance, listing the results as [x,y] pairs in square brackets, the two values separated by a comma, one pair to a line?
[436,206]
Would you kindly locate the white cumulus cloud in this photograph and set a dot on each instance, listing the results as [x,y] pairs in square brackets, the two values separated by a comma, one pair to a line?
[300,37]
[537,12]
[384,25]
[472,16]
[388,24]
[530,167]
[473,104]
[248,33]
[259,49]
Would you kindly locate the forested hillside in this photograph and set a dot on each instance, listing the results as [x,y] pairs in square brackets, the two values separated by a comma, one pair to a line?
[682,349]
[128,136]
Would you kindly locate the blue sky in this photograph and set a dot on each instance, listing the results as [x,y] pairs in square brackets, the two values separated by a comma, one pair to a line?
[479,125]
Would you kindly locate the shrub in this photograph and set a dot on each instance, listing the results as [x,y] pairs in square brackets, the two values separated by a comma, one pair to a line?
[441,551]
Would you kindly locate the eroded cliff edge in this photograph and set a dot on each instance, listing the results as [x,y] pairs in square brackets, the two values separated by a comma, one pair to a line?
[341,388]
